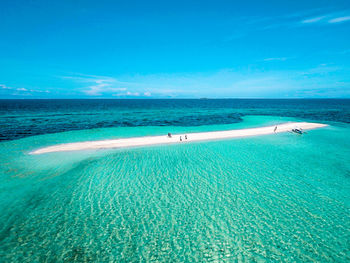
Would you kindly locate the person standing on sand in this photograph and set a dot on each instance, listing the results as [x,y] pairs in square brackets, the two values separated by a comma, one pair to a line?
[180,139]
[275,129]
[186,137]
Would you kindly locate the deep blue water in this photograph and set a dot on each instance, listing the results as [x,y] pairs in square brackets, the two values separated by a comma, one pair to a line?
[22,118]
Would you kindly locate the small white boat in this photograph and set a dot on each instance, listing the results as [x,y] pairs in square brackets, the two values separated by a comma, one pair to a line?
[298,131]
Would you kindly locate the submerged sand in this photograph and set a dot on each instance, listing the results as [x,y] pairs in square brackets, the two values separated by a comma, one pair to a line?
[164,139]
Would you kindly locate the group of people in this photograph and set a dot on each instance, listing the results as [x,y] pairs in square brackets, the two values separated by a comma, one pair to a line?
[181,138]
[169,135]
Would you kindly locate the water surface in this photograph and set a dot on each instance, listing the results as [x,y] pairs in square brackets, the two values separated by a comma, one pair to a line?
[280,197]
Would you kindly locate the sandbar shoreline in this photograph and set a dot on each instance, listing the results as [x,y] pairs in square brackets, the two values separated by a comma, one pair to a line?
[164,139]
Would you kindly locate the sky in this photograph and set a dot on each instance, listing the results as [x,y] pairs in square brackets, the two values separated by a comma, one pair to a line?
[175,49]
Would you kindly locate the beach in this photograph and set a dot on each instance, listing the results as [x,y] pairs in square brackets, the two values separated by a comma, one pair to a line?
[178,138]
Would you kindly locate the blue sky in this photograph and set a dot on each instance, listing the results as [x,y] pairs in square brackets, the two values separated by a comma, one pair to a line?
[175,49]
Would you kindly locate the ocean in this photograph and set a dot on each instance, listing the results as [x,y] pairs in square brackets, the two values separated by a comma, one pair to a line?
[272,198]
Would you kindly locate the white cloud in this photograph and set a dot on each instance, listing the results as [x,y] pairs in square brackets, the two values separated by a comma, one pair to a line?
[339,19]
[313,20]
[22,91]
[127,94]
[4,86]
[321,70]
[331,18]
[276,59]
[132,93]
[108,86]
[100,88]
[97,85]
[220,84]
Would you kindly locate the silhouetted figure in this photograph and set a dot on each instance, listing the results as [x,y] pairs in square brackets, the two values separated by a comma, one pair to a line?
[180,139]
[275,129]
[169,134]
[186,137]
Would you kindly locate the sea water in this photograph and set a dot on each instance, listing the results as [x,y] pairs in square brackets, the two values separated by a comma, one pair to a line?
[279,197]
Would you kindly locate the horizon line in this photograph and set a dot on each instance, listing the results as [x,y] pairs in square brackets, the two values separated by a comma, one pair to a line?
[204,98]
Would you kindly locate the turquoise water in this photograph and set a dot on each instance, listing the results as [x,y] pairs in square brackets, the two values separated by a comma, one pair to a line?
[280,197]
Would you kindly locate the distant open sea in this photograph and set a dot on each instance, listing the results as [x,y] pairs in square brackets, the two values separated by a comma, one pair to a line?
[273,198]
[22,118]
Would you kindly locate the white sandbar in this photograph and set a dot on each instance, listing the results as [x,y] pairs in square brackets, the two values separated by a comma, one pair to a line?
[164,139]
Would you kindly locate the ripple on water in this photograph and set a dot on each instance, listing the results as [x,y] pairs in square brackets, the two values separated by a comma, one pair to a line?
[250,199]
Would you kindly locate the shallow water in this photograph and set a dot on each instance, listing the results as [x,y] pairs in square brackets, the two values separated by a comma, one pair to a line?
[280,197]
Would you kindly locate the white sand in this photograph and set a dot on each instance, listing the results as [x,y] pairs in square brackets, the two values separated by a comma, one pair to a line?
[191,137]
